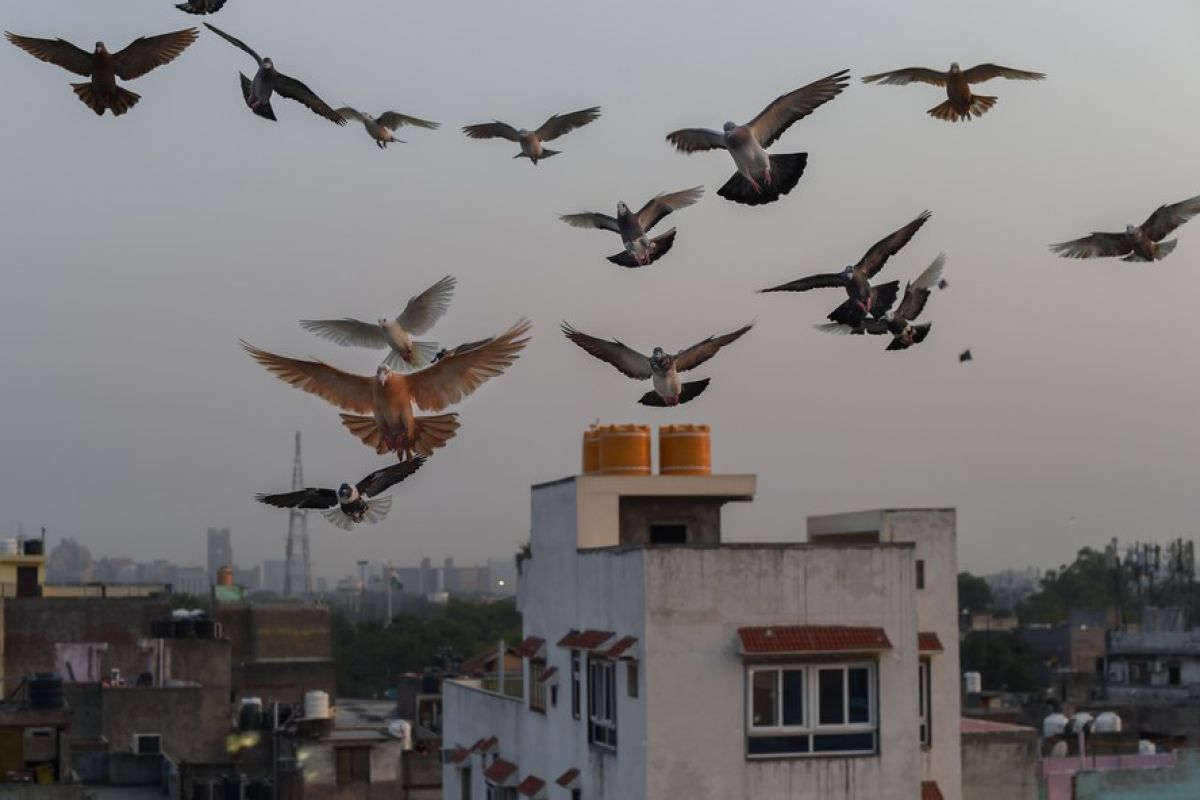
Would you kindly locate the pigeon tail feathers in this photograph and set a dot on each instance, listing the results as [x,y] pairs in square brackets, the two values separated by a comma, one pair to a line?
[689,391]
[662,245]
[119,102]
[786,170]
[264,110]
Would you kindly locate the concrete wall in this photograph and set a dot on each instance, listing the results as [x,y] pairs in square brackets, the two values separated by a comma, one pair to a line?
[320,771]
[60,791]
[1181,782]
[702,518]
[697,598]
[472,714]
[202,661]
[192,720]
[285,681]
[275,631]
[1000,766]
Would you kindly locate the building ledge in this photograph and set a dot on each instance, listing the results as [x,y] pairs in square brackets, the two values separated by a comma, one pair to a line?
[476,686]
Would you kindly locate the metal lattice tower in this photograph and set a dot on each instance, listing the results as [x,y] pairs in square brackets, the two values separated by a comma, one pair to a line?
[297,573]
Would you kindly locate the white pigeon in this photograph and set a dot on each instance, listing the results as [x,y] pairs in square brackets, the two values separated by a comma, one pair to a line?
[421,313]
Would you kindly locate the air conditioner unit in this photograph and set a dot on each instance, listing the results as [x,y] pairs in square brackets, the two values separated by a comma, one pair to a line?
[40,744]
[1156,667]
[146,744]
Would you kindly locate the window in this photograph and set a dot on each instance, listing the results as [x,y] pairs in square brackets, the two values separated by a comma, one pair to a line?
[554,696]
[631,679]
[1139,672]
[602,702]
[537,689]
[464,783]
[924,702]
[1173,674]
[575,681]
[812,709]
[576,794]
[353,765]
[668,533]
[920,574]
[501,793]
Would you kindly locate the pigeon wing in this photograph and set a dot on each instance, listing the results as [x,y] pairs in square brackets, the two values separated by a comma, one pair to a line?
[493,130]
[382,479]
[394,119]
[304,498]
[628,361]
[691,140]
[342,389]
[592,219]
[824,280]
[347,113]
[1167,218]
[888,246]
[559,124]
[347,332]
[238,43]
[144,54]
[453,377]
[653,212]
[903,77]
[985,72]
[916,294]
[210,7]
[1097,245]
[424,310]
[786,109]
[59,52]
[700,352]
[295,90]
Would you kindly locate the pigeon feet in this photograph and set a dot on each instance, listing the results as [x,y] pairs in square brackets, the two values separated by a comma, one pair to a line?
[754,184]
[767,176]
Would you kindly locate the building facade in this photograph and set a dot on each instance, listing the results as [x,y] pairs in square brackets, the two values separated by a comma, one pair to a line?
[661,661]
[220,551]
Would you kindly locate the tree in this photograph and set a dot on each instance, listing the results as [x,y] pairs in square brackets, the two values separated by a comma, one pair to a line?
[974,594]
[1086,583]
[1003,660]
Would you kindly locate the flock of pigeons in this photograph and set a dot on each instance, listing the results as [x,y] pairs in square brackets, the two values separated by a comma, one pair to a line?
[382,409]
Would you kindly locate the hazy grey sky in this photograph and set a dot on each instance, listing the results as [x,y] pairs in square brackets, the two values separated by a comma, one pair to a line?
[138,250]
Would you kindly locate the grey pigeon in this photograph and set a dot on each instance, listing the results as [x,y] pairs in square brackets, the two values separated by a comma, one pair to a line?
[201,6]
[661,367]
[380,128]
[965,355]
[865,299]
[419,315]
[762,178]
[900,322]
[531,141]
[267,81]
[1138,242]
[633,229]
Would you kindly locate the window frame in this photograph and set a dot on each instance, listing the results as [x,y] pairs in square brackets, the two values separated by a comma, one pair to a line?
[537,690]
[925,701]
[576,684]
[351,776]
[464,782]
[810,729]
[632,676]
[602,703]
[920,574]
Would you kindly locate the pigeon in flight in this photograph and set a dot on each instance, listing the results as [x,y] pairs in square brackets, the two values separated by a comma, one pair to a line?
[1138,242]
[267,81]
[421,314]
[531,141]
[899,322]
[350,503]
[961,105]
[390,396]
[101,93]
[633,229]
[462,348]
[201,6]
[865,299]
[762,178]
[662,367]
[380,128]
[965,355]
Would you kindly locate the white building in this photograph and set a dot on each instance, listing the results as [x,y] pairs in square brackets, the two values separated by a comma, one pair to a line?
[664,662]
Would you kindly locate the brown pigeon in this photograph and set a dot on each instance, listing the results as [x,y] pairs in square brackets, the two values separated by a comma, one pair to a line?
[962,104]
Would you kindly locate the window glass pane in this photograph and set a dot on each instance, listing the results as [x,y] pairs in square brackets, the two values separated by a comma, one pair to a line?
[859,694]
[844,742]
[764,701]
[830,696]
[793,697]
[777,745]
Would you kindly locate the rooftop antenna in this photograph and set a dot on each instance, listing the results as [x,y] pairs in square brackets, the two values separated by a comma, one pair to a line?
[297,573]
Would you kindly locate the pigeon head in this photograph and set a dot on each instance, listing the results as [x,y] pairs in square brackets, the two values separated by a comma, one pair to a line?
[1131,230]
[100,47]
[729,126]
[954,67]
[848,269]
[382,374]
[659,360]
[622,209]
[345,493]
[383,322]
[268,63]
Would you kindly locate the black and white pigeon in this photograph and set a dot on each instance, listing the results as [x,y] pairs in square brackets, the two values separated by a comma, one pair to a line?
[267,81]
[349,504]
[465,347]
[965,355]
[763,178]
[1138,242]
[865,300]
[201,6]
[531,141]
[661,367]
[420,314]
[381,128]
[900,322]
[634,229]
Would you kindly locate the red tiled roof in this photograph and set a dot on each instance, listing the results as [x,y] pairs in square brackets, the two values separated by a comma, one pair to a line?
[459,755]
[548,675]
[530,646]
[500,771]
[621,647]
[483,745]
[928,642]
[588,640]
[930,791]
[779,639]
[567,778]
[531,786]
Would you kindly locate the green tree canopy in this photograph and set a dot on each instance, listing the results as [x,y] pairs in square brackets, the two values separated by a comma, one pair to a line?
[974,594]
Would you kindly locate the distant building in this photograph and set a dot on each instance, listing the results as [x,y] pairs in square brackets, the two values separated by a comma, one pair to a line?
[273,573]
[248,579]
[189,580]
[220,551]
[69,562]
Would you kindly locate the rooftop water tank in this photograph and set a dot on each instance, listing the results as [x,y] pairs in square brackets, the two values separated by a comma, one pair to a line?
[1146,747]
[591,451]
[1054,725]
[225,576]
[624,450]
[316,705]
[250,715]
[43,691]
[1107,722]
[401,729]
[972,682]
[8,547]
[684,450]
[1080,721]
[33,547]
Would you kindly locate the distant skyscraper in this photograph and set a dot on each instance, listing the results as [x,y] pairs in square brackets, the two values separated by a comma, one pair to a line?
[220,551]
[297,579]
[272,575]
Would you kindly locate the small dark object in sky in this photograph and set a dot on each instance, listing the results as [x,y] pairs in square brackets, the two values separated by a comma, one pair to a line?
[943,283]
[965,355]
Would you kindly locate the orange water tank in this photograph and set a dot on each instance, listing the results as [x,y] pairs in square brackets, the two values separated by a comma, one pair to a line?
[624,450]
[684,450]
[591,451]
[225,576]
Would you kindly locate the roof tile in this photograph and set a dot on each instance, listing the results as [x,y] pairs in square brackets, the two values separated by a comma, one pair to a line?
[500,771]
[623,647]
[530,647]
[484,745]
[567,778]
[928,642]
[459,755]
[588,640]
[531,786]
[548,675]
[780,639]
[930,791]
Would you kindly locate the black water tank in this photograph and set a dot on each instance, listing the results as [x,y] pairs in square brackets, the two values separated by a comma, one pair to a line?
[206,628]
[33,547]
[162,628]
[185,628]
[250,718]
[44,691]
[258,789]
